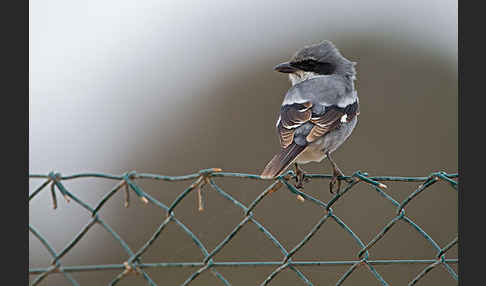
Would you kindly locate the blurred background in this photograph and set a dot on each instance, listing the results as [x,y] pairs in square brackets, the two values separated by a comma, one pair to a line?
[172,87]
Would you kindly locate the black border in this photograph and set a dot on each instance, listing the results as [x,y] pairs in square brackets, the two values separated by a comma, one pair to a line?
[471,89]
[15,124]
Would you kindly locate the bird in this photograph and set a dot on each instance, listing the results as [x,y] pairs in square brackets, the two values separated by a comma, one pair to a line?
[318,113]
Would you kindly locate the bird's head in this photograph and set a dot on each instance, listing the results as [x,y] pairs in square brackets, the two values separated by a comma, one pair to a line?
[317,60]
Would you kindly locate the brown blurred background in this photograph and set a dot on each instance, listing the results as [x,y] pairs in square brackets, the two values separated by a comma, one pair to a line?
[173,87]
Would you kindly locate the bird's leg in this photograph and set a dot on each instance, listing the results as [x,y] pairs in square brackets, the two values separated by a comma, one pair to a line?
[335,173]
[299,177]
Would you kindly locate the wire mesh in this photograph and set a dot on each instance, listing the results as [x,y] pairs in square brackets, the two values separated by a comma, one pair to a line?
[208,177]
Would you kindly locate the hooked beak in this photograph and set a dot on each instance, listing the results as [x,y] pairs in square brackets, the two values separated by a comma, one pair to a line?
[285,68]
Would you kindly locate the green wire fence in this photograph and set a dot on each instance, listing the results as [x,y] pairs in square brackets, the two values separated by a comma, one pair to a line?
[133,263]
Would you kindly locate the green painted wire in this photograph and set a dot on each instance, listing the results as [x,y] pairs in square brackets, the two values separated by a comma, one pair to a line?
[202,177]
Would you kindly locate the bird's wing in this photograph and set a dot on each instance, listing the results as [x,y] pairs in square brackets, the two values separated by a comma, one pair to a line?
[291,117]
[298,124]
[326,122]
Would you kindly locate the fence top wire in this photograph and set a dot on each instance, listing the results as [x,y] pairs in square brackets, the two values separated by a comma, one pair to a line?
[206,177]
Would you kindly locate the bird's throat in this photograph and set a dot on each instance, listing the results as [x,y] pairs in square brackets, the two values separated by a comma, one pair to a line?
[300,76]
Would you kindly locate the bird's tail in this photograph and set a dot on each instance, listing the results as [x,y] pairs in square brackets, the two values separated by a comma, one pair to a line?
[281,161]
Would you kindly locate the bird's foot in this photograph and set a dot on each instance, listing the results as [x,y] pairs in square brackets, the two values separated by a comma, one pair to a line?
[334,180]
[300,178]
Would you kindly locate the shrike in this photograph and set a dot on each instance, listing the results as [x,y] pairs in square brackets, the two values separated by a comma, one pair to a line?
[319,111]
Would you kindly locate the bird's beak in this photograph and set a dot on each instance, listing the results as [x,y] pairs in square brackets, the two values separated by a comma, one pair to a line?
[285,68]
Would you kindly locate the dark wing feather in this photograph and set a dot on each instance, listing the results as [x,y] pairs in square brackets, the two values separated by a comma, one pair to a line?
[291,117]
[285,135]
[330,120]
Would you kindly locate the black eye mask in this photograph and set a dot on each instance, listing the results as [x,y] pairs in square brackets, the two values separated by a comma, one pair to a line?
[315,66]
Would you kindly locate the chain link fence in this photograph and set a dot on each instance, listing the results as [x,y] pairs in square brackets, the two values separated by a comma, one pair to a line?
[208,178]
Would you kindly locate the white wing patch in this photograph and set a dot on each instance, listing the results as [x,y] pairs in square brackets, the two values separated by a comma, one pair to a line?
[344,118]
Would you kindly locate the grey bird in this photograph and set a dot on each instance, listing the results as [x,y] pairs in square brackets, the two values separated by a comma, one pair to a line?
[319,111]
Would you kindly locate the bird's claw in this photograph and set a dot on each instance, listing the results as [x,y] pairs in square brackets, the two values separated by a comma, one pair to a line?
[299,185]
[300,178]
[335,180]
